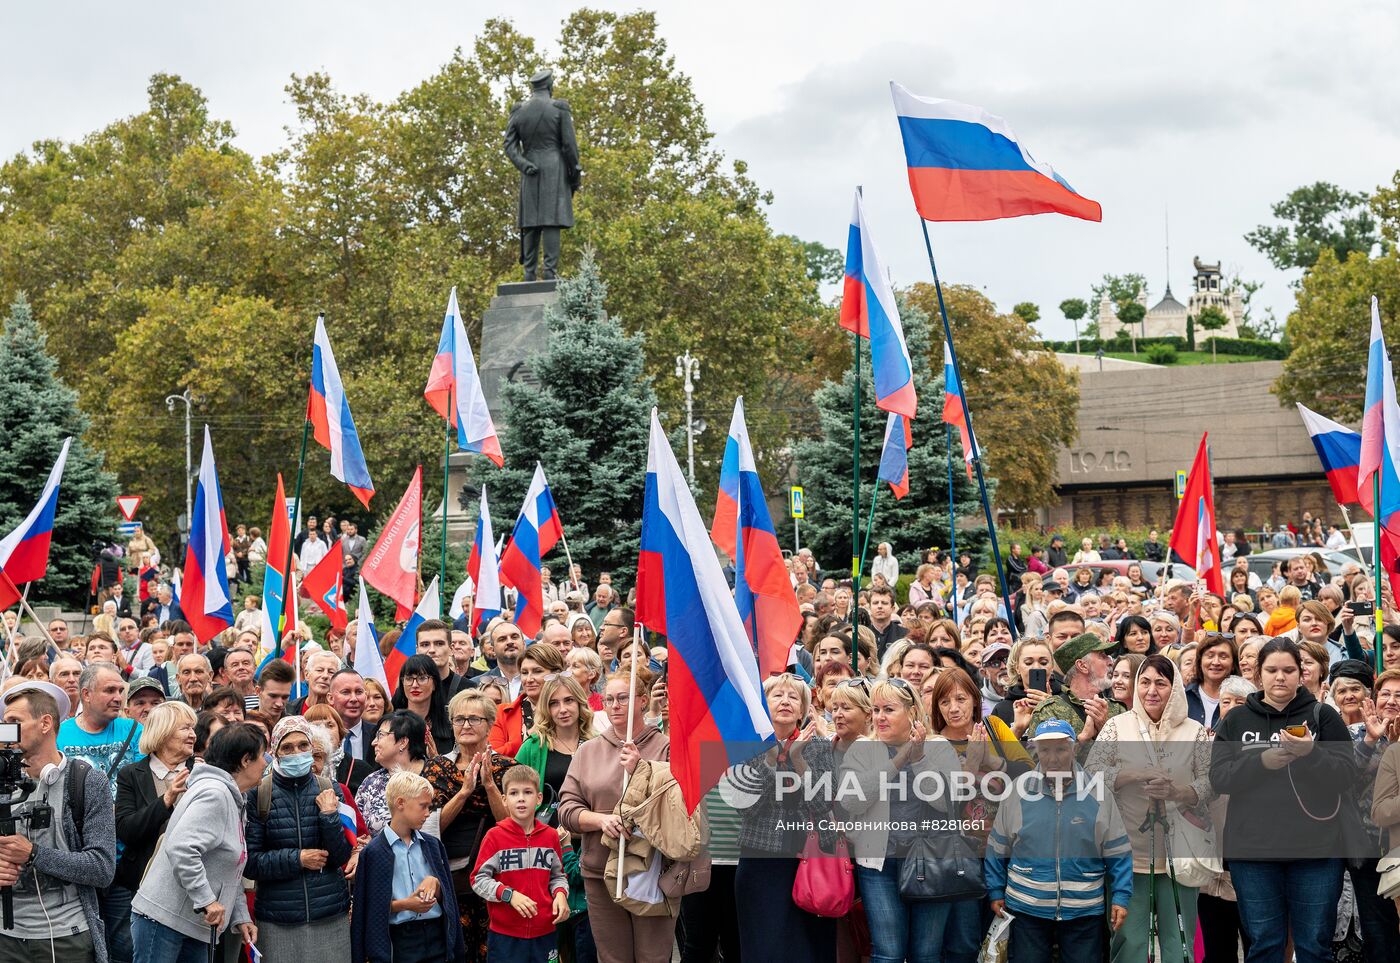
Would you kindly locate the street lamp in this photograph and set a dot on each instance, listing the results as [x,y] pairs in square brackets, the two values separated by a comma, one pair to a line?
[689,369]
[187,397]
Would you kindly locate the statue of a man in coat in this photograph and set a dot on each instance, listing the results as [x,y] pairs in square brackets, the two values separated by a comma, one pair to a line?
[540,143]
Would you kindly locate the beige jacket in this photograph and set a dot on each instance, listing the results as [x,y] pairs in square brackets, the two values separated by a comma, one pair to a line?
[1131,740]
[653,813]
[594,784]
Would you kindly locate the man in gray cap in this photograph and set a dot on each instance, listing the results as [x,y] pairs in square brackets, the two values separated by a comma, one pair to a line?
[1085,664]
[540,143]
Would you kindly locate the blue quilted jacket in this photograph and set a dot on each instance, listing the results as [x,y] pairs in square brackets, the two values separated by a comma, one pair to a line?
[287,893]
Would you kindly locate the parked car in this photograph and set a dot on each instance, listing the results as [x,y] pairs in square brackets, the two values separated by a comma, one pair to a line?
[1262,563]
[1152,571]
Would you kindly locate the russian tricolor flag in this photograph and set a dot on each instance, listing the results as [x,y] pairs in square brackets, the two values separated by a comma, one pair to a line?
[329,412]
[894,458]
[868,309]
[953,401]
[1380,431]
[966,165]
[24,553]
[204,596]
[1339,450]
[537,530]
[743,530]
[407,642]
[483,569]
[368,660]
[715,694]
[454,388]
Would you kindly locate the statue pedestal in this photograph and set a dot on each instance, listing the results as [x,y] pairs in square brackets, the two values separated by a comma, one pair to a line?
[512,328]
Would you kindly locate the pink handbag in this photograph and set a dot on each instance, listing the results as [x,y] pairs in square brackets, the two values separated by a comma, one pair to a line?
[824,885]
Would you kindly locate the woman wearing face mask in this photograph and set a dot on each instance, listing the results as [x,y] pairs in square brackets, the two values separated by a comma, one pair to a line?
[296,848]
[1157,760]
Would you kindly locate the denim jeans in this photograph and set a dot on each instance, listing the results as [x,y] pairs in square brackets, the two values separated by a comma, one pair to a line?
[153,942]
[1298,896]
[1380,924]
[1033,939]
[916,930]
[114,902]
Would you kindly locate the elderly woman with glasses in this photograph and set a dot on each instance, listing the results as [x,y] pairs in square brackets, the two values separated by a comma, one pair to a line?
[467,802]
[770,923]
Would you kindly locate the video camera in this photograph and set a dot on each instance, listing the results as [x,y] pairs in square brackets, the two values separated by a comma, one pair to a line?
[15,786]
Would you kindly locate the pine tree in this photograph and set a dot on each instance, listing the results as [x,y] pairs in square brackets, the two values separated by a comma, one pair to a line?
[37,412]
[912,524]
[587,423]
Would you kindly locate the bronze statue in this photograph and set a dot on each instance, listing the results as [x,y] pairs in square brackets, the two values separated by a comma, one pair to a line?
[540,143]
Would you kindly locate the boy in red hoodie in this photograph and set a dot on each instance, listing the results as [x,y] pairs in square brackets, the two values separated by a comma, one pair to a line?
[519,868]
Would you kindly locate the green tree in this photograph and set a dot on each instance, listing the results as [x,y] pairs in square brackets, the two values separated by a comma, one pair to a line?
[40,411]
[825,265]
[1329,330]
[587,423]
[1316,217]
[1130,316]
[1074,310]
[1211,318]
[1024,403]
[1027,311]
[823,463]
[1122,289]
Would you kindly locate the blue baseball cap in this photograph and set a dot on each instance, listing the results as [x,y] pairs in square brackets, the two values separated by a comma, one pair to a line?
[1053,729]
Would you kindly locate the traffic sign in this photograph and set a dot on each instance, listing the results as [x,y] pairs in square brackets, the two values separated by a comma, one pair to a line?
[128,504]
[1180,484]
[795,504]
[128,529]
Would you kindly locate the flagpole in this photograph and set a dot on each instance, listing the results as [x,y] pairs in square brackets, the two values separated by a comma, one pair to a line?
[292,539]
[567,555]
[1376,567]
[446,462]
[869,524]
[952,538]
[972,435]
[631,712]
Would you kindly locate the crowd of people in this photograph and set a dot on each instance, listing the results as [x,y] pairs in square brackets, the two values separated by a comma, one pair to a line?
[187,801]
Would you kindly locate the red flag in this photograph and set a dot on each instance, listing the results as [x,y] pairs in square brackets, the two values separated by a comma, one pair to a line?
[322,586]
[9,591]
[274,593]
[1193,534]
[392,565]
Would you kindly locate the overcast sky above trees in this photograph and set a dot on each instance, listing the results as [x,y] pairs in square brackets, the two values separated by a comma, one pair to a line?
[1211,111]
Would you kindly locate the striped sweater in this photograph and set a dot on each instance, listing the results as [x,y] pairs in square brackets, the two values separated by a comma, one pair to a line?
[1058,858]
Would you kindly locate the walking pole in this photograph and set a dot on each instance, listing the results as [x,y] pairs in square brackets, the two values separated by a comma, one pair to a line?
[971,434]
[446,462]
[1152,921]
[631,713]
[1161,817]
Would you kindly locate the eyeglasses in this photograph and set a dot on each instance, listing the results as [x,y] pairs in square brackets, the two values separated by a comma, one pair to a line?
[858,683]
[618,700]
[417,679]
[905,688]
[460,721]
[613,625]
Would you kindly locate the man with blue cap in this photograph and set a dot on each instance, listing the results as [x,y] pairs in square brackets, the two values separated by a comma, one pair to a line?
[1057,853]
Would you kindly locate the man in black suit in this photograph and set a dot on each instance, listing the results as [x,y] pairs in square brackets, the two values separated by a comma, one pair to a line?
[435,641]
[166,608]
[347,697]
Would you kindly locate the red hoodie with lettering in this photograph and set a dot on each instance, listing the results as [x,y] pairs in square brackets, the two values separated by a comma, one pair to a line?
[526,861]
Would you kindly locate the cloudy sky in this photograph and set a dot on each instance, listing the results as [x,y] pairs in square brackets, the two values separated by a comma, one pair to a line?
[1210,111]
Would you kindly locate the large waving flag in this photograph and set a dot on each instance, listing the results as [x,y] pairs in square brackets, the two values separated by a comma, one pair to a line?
[1193,533]
[24,552]
[322,586]
[953,401]
[329,412]
[868,309]
[454,388]
[204,595]
[484,570]
[1339,450]
[712,680]
[392,565]
[274,592]
[894,458]
[369,662]
[744,531]
[1380,432]
[407,642]
[537,530]
[966,165]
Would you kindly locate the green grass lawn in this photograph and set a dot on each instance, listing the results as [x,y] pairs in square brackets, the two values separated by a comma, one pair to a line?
[1185,357]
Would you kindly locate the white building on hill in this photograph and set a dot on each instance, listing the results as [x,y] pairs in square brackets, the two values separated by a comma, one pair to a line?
[1168,316]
